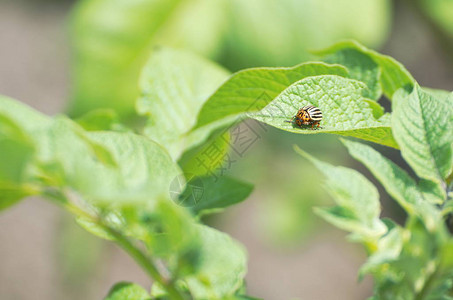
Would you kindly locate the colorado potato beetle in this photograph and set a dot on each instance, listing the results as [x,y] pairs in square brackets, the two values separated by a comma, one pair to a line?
[307,115]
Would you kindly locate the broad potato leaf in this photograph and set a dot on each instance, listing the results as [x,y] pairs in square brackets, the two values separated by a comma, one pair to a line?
[379,72]
[127,291]
[395,181]
[252,89]
[112,40]
[423,127]
[221,268]
[344,110]
[174,85]
[358,206]
[144,170]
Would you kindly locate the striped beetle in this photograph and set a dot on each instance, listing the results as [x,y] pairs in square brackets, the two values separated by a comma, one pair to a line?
[307,115]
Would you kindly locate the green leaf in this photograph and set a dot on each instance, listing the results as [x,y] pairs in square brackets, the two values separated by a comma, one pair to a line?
[252,89]
[396,182]
[423,127]
[105,168]
[221,268]
[220,192]
[127,291]
[174,85]
[379,72]
[112,40]
[344,110]
[144,170]
[358,206]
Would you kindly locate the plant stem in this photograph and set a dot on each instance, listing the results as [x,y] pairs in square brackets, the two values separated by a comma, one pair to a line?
[124,242]
[145,262]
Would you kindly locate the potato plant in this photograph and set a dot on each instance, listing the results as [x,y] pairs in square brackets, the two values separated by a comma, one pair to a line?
[116,175]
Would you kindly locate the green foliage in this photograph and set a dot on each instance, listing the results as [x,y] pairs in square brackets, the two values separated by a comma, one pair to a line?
[409,262]
[117,181]
[117,185]
[423,127]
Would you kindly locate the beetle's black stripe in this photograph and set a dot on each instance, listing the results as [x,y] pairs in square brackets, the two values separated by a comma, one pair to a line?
[318,112]
[313,109]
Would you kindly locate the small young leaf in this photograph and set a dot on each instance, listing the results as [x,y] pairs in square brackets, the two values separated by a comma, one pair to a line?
[174,86]
[362,63]
[127,291]
[343,108]
[358,206]
[423,127]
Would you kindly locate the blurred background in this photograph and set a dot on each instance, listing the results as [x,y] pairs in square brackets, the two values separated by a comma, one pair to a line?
[292,253]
